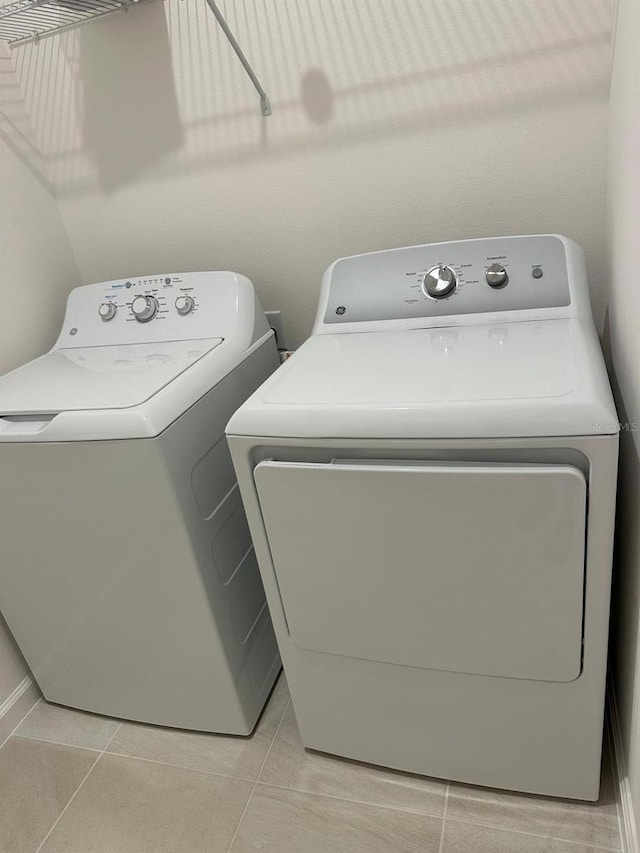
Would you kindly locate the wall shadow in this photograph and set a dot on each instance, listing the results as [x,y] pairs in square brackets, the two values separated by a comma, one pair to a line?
[125,134]
[626,582]
[159,91]
[15,126]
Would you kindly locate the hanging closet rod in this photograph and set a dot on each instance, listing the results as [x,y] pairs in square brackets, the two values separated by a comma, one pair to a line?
[265,104]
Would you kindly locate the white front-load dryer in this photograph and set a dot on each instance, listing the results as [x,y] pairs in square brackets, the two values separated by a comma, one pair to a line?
[430,485]
[128,577]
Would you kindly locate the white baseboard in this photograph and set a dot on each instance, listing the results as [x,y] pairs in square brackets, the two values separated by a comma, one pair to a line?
[628,825]
[17,706]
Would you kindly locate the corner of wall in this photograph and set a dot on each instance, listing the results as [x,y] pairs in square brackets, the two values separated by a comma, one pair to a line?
[626,812]
[16,707]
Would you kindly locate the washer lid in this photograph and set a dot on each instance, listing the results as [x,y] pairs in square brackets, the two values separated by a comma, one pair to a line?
[97,378]
[498,380]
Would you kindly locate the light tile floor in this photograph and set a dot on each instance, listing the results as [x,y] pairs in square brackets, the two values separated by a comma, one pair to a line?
[75,783]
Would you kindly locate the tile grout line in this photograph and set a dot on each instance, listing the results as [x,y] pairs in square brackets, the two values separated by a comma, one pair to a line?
[403,809]
[77,790]
[177,766]
[19,723]
[596,847]
[444,815]
[273,739]
[268,753]
[57,742]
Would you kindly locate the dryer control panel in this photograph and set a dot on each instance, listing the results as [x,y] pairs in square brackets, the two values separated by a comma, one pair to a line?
[165,307]
[498,275]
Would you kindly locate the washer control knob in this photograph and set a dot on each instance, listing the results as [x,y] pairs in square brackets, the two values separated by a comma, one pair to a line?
[107,311]
[497,275]
[184,305]
[144,308]
[439,281]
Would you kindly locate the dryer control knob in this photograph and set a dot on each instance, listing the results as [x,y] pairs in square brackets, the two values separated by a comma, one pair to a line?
[439,282]
[496,275]
[185,305]
[144,308]
[107,311]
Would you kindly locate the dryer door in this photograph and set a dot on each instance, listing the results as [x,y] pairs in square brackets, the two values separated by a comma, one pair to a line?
[474,568]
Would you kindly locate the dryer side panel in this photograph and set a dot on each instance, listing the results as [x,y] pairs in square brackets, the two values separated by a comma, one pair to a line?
[473,568]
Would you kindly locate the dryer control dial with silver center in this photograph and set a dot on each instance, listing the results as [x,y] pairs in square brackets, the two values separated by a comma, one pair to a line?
[439,282]
[144,308]
[184,305]
[496,275]
[107,311]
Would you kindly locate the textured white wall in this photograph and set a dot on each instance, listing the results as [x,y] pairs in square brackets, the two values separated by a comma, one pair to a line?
[18,692]
[12,666]
[623,336]
[38,267]
[394,122]
[36,272]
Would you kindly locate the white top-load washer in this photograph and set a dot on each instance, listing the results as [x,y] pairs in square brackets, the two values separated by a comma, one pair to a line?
[128,576]
[430,486]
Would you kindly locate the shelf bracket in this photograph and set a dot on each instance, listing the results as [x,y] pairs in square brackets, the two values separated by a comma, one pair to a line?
[265,104]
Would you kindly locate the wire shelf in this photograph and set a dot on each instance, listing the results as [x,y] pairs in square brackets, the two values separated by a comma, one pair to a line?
[23,21]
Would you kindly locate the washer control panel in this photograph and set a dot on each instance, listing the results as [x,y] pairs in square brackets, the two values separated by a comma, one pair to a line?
[168,307]
[150,298]
[443,279]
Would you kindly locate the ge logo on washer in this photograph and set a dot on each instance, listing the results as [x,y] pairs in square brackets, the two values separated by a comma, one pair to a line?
[340,309]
